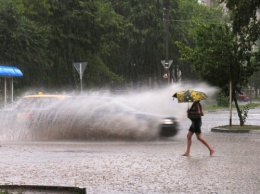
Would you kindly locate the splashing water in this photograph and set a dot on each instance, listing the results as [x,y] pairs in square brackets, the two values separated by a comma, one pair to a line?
[101,115]
[160,101]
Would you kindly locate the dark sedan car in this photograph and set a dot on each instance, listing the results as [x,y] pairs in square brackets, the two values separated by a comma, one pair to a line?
[91,117]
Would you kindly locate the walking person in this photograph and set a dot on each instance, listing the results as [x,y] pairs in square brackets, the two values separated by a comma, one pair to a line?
[194,114]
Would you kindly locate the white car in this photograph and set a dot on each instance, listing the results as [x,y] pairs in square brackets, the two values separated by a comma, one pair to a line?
[48,117]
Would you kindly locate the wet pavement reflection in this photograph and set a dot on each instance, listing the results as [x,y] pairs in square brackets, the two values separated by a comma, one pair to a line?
[141,167]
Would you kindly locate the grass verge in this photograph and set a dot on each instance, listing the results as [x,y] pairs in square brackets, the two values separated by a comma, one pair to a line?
[215,107]
[238,127]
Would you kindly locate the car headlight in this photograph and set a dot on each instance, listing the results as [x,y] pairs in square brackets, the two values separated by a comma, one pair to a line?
[168,121]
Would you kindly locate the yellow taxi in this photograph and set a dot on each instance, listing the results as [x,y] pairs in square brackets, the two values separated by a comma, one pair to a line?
[30,108]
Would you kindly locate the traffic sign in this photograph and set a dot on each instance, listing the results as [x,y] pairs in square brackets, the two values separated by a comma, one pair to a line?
[80,67]
[167,65]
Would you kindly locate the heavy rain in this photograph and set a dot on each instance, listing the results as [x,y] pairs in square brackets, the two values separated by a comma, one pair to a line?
[87,96]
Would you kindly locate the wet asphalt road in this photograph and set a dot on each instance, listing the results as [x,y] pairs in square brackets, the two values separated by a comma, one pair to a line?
[141,167]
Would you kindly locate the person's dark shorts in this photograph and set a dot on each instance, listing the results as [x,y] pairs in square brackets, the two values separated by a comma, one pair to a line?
[195,125]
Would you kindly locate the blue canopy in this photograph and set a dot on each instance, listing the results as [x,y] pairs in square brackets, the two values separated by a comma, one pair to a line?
[9,71]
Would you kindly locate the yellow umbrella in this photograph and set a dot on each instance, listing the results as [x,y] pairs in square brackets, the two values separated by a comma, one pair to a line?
[189,96]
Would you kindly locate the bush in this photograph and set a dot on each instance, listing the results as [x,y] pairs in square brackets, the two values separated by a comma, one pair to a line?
[222,100]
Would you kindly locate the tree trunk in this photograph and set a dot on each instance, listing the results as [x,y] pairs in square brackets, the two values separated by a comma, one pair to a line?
[238,112]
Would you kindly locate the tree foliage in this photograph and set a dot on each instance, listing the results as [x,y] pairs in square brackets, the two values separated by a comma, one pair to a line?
[243,14]
[21,39]
[219,58]
[191,15]
[123,41]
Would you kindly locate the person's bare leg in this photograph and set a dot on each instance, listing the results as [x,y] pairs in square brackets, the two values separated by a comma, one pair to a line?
[200,138]
[189,141]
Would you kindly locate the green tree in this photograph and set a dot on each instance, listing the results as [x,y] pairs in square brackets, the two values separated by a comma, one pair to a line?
[80,31]
[246,27]
[218,58]
[22,40]
[144,45]
[120,40]
[142,48]
[243,15]
[192,14]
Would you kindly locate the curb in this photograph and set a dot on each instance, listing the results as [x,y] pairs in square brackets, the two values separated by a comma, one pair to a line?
[40,189]
[222,130]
